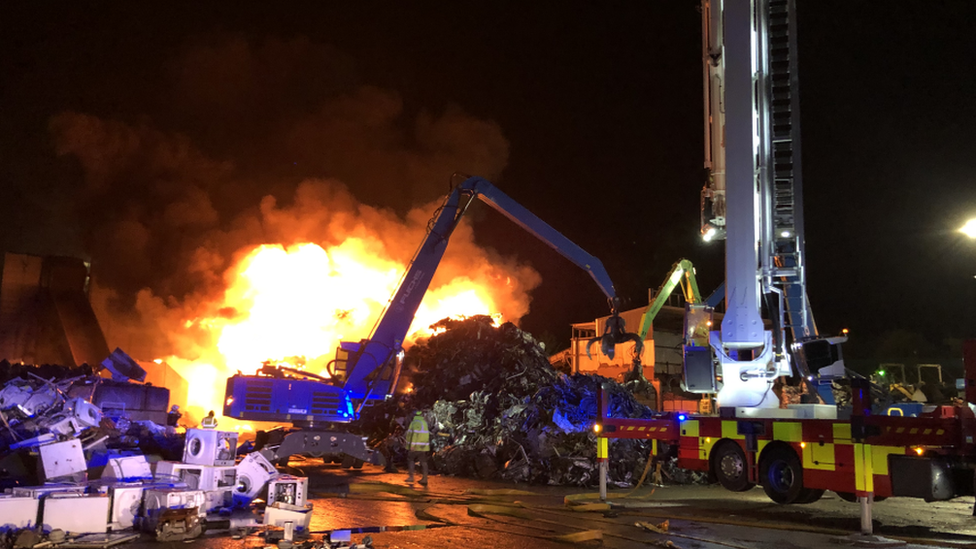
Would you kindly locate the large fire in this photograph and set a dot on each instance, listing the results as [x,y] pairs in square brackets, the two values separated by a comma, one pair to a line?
[296,304]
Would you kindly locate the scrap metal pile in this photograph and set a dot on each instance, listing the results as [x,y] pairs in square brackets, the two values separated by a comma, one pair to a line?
[78,474]
[44,404]
[498,409]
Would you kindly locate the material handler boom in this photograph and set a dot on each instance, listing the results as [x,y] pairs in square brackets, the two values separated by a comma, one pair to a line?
[367,371]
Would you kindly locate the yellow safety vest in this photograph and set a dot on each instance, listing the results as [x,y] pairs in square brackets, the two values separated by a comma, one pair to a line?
[418,435]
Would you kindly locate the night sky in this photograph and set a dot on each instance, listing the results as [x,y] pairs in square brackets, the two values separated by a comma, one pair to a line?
[599,105]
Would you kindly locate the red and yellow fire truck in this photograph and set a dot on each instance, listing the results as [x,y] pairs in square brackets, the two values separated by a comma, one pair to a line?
[753,200]
[795,459]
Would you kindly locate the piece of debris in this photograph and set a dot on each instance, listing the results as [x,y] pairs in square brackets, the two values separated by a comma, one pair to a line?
[661,528]
[100,541]
[178,524]
[27,538]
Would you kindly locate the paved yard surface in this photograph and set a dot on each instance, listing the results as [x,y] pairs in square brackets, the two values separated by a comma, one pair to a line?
[698,517]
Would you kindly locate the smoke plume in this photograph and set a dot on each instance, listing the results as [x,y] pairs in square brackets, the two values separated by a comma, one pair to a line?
[269,143]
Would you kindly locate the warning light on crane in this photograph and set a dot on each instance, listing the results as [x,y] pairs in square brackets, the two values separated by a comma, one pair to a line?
[713,230]
[969,229]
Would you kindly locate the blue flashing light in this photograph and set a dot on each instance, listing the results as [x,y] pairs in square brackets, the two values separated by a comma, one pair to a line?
[682,417]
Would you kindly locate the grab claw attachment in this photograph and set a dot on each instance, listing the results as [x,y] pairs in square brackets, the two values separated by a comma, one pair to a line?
[613,334]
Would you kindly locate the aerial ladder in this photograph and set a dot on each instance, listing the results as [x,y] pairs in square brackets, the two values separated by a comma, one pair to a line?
[754,201]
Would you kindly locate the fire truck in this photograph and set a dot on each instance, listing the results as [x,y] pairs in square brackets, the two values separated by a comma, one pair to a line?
[753,200]
[365,372]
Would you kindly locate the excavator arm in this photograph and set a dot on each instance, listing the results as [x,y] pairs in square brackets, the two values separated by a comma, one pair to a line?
[682,274]
[369,367]
[368,370]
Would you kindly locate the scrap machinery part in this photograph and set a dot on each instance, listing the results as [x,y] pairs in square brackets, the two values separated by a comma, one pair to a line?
[614,334]
[318,443]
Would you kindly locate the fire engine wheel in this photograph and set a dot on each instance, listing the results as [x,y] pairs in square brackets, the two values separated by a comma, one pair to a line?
[729,465]
[781,475]
[810,495]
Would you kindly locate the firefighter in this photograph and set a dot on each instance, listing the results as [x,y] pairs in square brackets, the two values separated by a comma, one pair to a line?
[418,443]
[209,422]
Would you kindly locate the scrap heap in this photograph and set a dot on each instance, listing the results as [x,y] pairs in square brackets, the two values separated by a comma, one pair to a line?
[74,459]
[500,410]
[40,404]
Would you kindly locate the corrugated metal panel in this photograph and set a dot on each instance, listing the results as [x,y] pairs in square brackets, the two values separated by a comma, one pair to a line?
[45,316]
[20,298]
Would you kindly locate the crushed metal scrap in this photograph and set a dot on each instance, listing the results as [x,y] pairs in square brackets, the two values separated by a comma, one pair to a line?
[499,410]
[80,470]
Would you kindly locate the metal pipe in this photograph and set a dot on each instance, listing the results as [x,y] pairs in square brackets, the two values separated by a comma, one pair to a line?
[867,524]
[603,480]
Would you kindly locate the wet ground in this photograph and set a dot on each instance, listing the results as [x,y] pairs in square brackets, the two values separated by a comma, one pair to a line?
[699,517]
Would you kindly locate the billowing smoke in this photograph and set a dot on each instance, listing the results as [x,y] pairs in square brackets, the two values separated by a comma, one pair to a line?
[271,143]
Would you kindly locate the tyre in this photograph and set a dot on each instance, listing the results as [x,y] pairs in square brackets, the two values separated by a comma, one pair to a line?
[781,475]
[729,467]
[810,495]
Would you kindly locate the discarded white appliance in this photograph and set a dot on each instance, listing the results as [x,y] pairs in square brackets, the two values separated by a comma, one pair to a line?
[77,514]
[38,492]
[38,401]
[217,482]
[222,498]
[253,473]
[197,477]
[208,447]
[15,393]
[127,468]
[126,503]
[17,512]
[288,489]
[281,513]
[77,415]
[62,459]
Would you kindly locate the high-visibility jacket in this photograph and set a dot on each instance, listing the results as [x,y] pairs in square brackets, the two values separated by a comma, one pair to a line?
[418,435]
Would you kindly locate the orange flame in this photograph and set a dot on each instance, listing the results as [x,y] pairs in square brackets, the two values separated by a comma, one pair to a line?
[296,304]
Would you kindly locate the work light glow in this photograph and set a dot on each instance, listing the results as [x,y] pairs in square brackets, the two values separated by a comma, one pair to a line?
[969,229]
